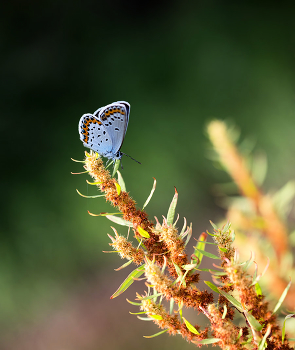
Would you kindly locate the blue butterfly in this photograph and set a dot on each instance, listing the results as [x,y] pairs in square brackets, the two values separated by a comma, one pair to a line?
[104,130]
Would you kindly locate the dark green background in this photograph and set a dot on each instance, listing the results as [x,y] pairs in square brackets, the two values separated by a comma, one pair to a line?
[179,64]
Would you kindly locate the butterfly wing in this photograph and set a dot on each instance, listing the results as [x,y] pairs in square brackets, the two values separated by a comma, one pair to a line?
[115,118]
[94,135]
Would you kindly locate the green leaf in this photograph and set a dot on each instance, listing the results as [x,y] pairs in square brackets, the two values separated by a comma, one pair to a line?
[155,335]
[189,235]
[116,167]
[190,327]
[151,194]
[226,227]
[189,266]
[222,249]
[143,232]
[282,298]
[118,187]
[209,255]
[229,297]
[212,286]
[124,265]
[184,226]
[144,318]
[94,183]
[208,243]
[137,313]
[262,343]
[129,280]
[119,220]
[171,306]
[151,296]
[78,161]
[207,341]
[82,195]
[200,247]
[213,225]
[209,270]
[224,311]
[258,289]
[156,317]
[284,326]
[133,302]
[253,322]
[218,273]
[171,211]
[121,182]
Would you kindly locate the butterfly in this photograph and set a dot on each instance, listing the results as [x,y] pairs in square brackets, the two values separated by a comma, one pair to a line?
[104,130]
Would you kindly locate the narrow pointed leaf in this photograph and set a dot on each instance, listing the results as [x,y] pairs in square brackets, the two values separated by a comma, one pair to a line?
[118,187]
[262,344]
[144,318]
[78,161]
[116,167]
[282,298]
[189,267]
[183,229]
[121,181]
[207,341]
[229,297]
[94,183]
[213,225]
[156,317]
[119,220]
[258,289]
[151,296]
[171,306]
[81,172]
[155,335]
[189,235]
[209,255]
[129,280]
[224,311]
[143,232]
[133,302]
[82,195]
[124,265]
[151,194]
[284,326]
[171,211]
[190,327]
[200,247]
[253,322]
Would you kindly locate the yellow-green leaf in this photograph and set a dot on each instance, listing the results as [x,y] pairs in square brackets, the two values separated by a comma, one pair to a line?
[143,232]
[190,327]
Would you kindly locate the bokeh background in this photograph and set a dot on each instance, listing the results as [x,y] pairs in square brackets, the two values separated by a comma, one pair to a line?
[179,64]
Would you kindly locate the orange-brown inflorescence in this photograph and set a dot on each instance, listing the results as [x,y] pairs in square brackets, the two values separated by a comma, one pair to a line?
[169,235]
[166,321]
[124,203]
[225,330]
[165,247]
[126,249]
[255,304]
[190,297]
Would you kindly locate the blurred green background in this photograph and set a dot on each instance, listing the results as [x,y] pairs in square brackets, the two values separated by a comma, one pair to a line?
[179,64]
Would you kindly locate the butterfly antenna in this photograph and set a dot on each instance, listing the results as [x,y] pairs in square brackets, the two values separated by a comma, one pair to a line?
[131,157]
